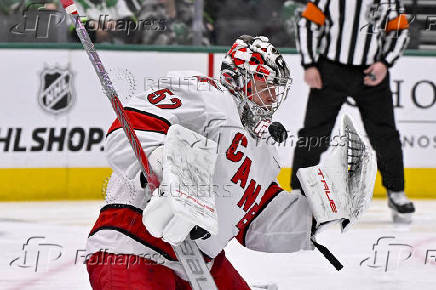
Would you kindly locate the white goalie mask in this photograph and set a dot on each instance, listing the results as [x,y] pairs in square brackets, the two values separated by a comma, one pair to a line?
[256,74]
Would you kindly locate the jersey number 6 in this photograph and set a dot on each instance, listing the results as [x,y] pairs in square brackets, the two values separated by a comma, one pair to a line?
[158,96]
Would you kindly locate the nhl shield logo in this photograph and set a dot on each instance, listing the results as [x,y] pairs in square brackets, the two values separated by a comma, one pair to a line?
[56,93]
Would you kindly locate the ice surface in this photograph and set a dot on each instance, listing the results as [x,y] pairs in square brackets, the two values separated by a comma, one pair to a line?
[404,256]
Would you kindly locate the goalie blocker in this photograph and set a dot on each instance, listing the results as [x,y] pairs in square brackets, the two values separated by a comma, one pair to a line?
[184,199]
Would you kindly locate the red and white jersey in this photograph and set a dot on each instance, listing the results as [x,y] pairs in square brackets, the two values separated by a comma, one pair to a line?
[249,203]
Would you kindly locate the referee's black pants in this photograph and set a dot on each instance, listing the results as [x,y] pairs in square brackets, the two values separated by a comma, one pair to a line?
[376,109]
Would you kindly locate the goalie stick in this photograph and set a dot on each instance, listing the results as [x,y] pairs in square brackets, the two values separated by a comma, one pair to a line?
[187,252]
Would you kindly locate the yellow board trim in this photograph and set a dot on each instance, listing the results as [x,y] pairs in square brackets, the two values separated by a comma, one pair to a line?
[35,184]
[419,182]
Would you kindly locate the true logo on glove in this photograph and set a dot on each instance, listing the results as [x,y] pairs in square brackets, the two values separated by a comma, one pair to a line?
[327,191]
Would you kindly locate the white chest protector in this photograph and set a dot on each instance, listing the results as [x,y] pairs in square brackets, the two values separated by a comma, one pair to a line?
[245,167]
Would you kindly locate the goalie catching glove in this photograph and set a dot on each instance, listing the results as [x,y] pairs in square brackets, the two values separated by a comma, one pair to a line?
[340,187]
[184,202]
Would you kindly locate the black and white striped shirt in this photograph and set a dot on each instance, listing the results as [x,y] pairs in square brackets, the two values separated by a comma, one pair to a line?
[352,32]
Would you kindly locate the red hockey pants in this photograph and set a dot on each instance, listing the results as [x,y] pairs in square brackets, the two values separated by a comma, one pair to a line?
[110,271]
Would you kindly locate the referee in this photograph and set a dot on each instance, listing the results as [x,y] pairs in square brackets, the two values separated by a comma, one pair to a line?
[347,47]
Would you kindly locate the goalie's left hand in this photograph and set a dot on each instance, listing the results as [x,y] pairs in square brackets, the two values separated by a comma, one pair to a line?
[340,187]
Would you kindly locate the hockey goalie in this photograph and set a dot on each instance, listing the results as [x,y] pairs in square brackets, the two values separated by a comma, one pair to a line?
[217,176]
